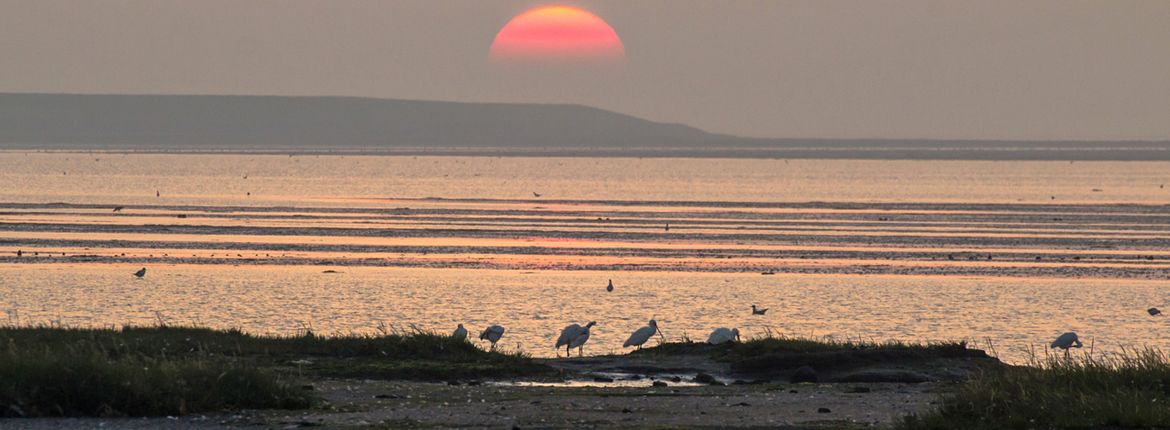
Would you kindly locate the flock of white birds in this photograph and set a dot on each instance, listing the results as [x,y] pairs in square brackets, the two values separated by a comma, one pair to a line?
[575,335]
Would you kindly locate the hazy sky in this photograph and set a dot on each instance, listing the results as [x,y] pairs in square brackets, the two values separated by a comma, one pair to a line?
[1061,69]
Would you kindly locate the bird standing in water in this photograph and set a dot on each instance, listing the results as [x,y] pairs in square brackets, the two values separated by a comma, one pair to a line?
[492,334]
[1066,341]
[568,333]
[579,340]
[641,335]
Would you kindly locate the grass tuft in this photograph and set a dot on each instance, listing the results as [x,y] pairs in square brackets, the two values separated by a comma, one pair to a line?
[1128,390]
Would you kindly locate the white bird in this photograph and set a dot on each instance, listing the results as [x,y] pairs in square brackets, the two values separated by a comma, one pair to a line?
[141,272]
[641,335]
[579,341]
[757,311]
[460,333]
[492,334]
[1154,312]
[723,335]
[1066,341]
[568,333]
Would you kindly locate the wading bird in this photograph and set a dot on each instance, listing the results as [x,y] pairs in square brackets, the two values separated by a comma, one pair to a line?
[460,333]
[568,333]
[579,341]
[141,272]
[723,335]
[1154,312]
[641,335]
[1066,341]
[492,334]
[758,311]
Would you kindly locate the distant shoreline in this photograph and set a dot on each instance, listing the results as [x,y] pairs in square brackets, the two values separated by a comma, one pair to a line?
[1149,153]
[367,126]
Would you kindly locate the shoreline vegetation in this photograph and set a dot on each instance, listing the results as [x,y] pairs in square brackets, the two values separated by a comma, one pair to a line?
[165,370]
[171,371]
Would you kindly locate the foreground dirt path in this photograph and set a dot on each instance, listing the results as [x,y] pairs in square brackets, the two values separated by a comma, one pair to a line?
[353,404]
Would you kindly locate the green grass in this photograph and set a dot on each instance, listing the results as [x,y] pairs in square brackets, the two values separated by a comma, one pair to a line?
[1130,390]
[133,371]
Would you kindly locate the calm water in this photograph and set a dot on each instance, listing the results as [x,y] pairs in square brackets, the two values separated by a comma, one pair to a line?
[1008,252]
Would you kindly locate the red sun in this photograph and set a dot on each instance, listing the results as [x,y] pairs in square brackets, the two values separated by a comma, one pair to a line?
[557,33]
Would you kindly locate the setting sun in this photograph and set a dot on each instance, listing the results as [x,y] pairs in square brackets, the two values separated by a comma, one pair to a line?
[557,33]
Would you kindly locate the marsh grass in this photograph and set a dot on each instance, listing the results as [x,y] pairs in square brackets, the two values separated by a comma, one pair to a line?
[772,352]
[84,380]
[167,370]
[1126,390]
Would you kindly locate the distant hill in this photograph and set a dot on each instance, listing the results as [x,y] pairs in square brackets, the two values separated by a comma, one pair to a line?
[352,124]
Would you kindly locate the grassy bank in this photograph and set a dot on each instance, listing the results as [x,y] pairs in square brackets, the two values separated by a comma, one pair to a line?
[1131,390]
[780,356]
[174,370]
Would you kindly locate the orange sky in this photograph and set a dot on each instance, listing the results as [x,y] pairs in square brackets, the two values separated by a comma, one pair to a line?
[987,69]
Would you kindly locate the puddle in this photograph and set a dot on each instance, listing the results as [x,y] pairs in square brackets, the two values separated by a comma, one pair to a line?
[615,380]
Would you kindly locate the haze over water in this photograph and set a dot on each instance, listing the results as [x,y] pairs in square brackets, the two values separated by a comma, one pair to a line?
[1008,251]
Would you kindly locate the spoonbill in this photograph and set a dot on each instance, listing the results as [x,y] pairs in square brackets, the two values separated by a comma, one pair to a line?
[579,341]
[758,311]
[492,334]
[1066,341]
[568,333]
[641,335]
[141,272]
[460,333]
[1154,312]
[723,335]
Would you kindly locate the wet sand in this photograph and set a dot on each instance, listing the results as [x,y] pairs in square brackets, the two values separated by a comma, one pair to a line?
[1018,240]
